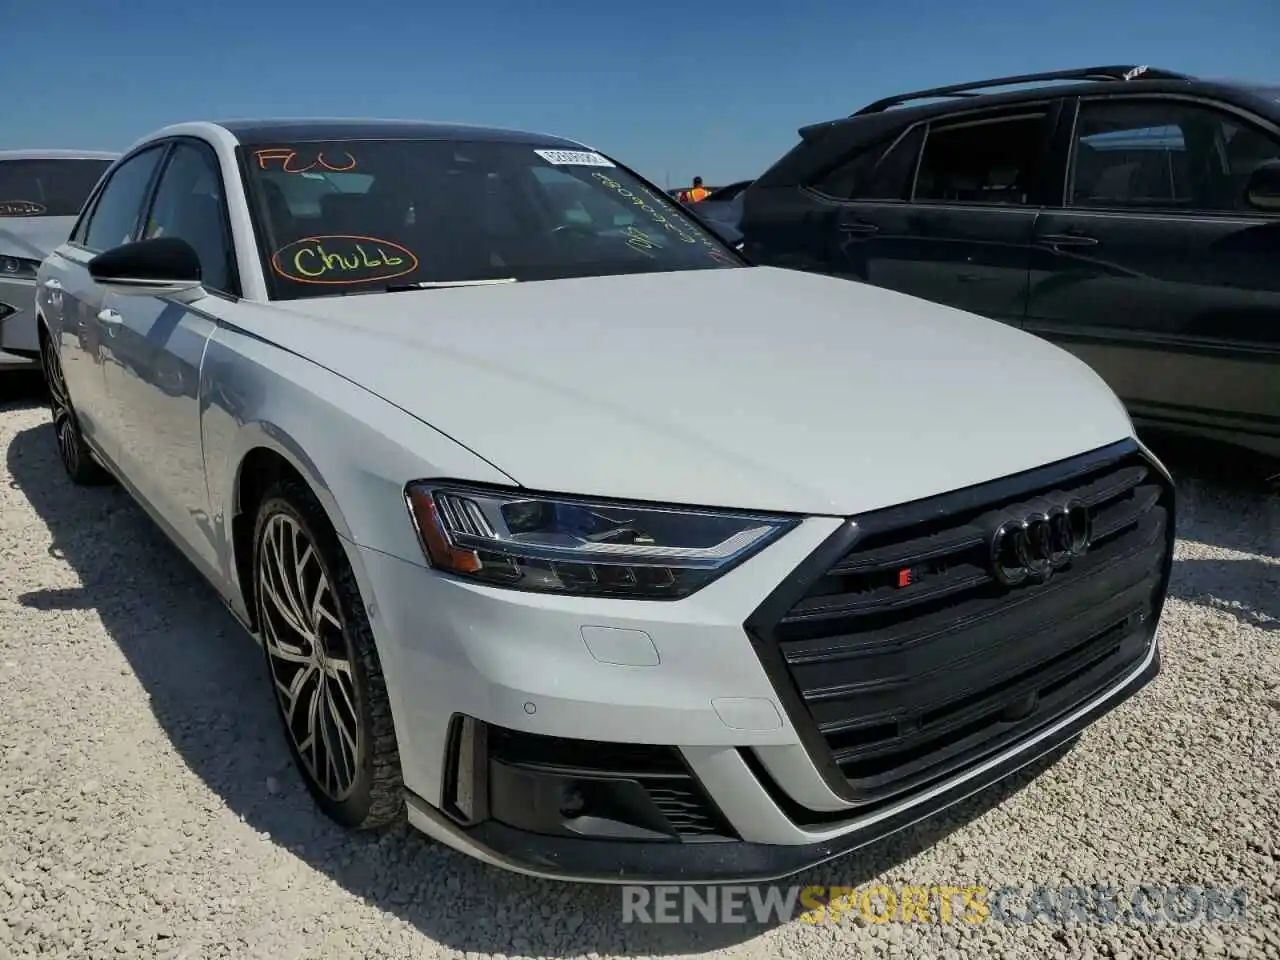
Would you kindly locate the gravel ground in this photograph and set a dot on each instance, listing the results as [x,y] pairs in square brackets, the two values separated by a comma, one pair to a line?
[152,810]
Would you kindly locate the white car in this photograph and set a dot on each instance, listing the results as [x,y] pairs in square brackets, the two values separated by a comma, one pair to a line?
[41,193]
[593,550]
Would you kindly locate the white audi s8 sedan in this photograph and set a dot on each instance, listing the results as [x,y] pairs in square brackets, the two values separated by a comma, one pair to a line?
[571,537]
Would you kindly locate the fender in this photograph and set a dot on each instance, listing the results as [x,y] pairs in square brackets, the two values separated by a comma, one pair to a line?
[350,446]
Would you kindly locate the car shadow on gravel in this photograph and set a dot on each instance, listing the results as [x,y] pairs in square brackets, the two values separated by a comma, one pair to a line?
[207,686]
[1226,500]
[1248,589]
[21,388]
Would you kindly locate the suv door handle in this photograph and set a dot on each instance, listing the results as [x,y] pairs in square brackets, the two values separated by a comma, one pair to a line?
[53,283]
[859,227]
[1068,240]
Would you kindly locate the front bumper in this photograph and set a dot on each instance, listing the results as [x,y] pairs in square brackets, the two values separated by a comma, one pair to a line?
[499,694]
[604,861]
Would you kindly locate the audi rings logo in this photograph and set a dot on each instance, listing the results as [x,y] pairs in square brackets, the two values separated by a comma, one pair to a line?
[1035,546]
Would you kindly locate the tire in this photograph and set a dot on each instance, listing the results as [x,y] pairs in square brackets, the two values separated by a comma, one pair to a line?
[77,459]
[329,670]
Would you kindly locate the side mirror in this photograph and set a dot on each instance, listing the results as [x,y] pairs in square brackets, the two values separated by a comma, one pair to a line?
[1263,189]
[159,267]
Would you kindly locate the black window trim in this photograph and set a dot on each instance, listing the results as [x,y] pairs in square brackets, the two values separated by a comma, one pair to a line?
[91,205]
[1269,128]
[1047,110]
[211,154]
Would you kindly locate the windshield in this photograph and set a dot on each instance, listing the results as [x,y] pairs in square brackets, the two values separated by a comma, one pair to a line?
[356,215]
[47,187]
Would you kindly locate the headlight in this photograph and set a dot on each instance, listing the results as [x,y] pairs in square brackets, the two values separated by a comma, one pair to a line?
[578,546]
[17,268]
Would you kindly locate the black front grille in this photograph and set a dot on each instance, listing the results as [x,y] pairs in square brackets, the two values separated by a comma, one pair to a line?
[903,657]
[685,807]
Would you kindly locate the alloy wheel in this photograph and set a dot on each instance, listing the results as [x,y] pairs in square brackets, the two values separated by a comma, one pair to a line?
[310,657]
[64,424]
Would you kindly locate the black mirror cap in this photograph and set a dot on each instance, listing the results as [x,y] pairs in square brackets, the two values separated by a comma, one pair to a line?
[158,260]
[1263,190]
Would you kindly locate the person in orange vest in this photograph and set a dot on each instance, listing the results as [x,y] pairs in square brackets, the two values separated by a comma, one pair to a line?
[697,193]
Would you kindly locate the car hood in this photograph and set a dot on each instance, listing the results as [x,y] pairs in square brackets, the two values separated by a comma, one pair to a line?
[33,238]
[758,387]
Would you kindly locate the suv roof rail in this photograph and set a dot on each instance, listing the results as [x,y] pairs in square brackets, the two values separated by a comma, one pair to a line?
[1111,73]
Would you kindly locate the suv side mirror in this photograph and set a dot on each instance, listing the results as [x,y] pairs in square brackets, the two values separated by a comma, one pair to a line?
[1263,189]
[159,267]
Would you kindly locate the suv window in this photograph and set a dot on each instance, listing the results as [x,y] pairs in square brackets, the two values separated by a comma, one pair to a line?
[115,215]
[883,172]
[189,204]
[989,161]
[1164,154]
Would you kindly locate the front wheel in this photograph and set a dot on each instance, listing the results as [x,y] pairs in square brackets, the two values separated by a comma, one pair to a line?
[74,453]
[322,663]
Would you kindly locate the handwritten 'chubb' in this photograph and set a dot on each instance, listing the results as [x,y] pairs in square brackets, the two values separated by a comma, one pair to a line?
[336,261]
[343,259]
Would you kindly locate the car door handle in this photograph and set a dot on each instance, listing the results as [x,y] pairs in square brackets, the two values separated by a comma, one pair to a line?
[859,227]
[53,283]
[111,319]
[1068,240]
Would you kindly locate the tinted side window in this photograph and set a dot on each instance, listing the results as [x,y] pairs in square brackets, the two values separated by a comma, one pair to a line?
[189,204]
[1164,155]
[883,172]
[991,161]
[115,215]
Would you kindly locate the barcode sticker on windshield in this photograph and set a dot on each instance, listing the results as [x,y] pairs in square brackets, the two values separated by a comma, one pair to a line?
[574,158]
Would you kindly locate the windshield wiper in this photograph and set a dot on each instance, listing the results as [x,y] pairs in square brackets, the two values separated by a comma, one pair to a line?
[441,284]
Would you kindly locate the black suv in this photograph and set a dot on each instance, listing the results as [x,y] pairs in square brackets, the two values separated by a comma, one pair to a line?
[1129,214]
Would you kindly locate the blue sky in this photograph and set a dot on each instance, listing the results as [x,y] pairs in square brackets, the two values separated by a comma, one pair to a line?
[673,89]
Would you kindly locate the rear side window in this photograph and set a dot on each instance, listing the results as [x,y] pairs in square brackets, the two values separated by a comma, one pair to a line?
[883,172]
[990,161]
[115,216]
[52,187]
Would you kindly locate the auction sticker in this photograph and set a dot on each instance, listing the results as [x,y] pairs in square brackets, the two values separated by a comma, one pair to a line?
[574,158]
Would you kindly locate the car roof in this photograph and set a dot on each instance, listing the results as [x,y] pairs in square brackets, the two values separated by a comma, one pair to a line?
[1034,86]
[887,116]
[337,128]
[59,154]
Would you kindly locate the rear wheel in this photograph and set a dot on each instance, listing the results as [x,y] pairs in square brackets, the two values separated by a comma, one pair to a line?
[74,453]
[322,662]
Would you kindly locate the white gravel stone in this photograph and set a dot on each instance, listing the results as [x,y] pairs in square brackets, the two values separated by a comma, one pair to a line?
[151,809]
